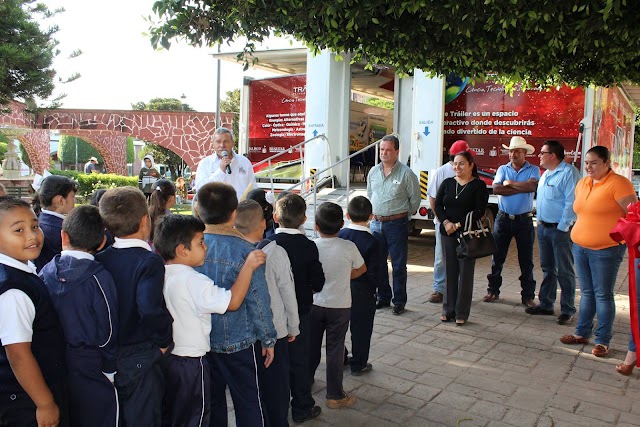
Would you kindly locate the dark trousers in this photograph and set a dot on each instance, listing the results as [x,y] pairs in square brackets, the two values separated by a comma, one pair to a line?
[18,410]
[301,399]
[394,241]
[188,393]
[274,386]
[140,385]
[363,310]
[240,372]
[504,230]
[90,392]
[459,281]
[335,321]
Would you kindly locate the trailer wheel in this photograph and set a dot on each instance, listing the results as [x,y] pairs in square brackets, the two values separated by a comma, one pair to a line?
[488,218]
[413,230]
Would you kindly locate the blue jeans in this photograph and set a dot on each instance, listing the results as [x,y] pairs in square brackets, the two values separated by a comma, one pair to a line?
[438,263]
[597,271]
[556,261]
[632,344]
[394,238]
[504,230]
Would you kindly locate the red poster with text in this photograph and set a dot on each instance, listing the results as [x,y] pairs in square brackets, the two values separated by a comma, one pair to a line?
[486,117]
[276,117]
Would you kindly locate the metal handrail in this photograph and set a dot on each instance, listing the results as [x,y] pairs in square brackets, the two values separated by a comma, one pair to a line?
[269,159]
[315,177]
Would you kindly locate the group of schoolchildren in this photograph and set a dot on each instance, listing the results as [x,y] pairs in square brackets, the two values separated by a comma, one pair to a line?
[150,333]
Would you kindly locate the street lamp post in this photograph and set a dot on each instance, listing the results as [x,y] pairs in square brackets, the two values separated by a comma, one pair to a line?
[183,98]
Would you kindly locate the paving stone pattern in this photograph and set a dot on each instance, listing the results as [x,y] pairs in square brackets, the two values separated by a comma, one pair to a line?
[504,368]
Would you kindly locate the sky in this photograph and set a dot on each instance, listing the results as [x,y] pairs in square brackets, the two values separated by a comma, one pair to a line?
[120,67]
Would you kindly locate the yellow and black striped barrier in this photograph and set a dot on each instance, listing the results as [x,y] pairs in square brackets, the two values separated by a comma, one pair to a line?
[424,181]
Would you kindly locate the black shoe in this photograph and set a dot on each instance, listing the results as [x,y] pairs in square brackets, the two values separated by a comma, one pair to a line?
[362,371]
[381,304]
[347,361]
[564,319]
[311,414]
[538,310]
[398,309]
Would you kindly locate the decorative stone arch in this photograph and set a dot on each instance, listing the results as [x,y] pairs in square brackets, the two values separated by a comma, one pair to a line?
[37,144]
[112,146]
[187,134]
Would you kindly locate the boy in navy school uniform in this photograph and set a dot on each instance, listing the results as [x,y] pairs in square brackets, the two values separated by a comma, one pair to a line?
[308,277]
[144,331]
[235,350]
[331,309]
[274,382]
[191,298]
[84,296]
[32,368]
[363,288]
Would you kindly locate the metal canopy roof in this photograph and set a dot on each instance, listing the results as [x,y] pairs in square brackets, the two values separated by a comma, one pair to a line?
[377,83]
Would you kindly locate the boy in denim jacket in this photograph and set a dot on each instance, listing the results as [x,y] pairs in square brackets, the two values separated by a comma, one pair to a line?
[234,354]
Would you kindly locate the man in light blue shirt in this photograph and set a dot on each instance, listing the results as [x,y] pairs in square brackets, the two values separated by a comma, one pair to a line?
[515,183]
[556,193]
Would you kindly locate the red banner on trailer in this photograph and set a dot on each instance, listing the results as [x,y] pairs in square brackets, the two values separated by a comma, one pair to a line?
[277,110]
[486,117]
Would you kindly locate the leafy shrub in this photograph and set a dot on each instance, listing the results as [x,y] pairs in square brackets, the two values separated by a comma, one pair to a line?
[88,183]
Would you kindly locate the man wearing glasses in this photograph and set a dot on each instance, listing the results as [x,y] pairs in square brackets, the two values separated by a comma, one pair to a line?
[556,193]
[514,183]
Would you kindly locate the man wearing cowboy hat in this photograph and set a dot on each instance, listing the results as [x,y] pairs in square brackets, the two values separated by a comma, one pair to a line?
[515,184]
[90,166]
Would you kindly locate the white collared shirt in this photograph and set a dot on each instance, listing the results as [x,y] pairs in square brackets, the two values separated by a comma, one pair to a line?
[283,230]
[120,243]
[240,178]
[191,298]
[77,254]
[52,213]
[29,267]
[17,311]
[359,228]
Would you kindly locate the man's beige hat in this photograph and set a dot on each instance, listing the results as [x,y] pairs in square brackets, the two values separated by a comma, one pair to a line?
[518,142]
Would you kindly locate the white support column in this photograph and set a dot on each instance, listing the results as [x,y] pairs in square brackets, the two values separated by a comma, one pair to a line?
[403,114]
[328,96]
[427,123]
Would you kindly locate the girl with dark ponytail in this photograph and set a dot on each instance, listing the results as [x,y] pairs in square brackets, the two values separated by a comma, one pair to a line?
[163,197]
[55,198]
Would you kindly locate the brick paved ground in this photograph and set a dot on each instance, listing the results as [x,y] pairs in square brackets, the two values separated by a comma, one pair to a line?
[504,368]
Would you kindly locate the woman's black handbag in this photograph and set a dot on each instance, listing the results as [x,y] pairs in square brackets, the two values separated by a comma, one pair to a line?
[477,243]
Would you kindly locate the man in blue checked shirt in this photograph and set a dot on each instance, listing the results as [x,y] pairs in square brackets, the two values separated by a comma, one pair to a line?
[556,193]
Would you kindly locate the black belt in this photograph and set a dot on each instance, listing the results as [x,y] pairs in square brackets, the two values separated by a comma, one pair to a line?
[512,217]
[549,224]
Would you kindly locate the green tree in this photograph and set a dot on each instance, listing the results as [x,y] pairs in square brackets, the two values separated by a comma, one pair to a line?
[545,41]
[4,140]
[231,104]
[67,151]
[382,103]
[161,154]
[25,156]
[131,152]
[27,51]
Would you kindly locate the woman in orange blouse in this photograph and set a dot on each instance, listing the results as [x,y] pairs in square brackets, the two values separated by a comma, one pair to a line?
[601,198]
